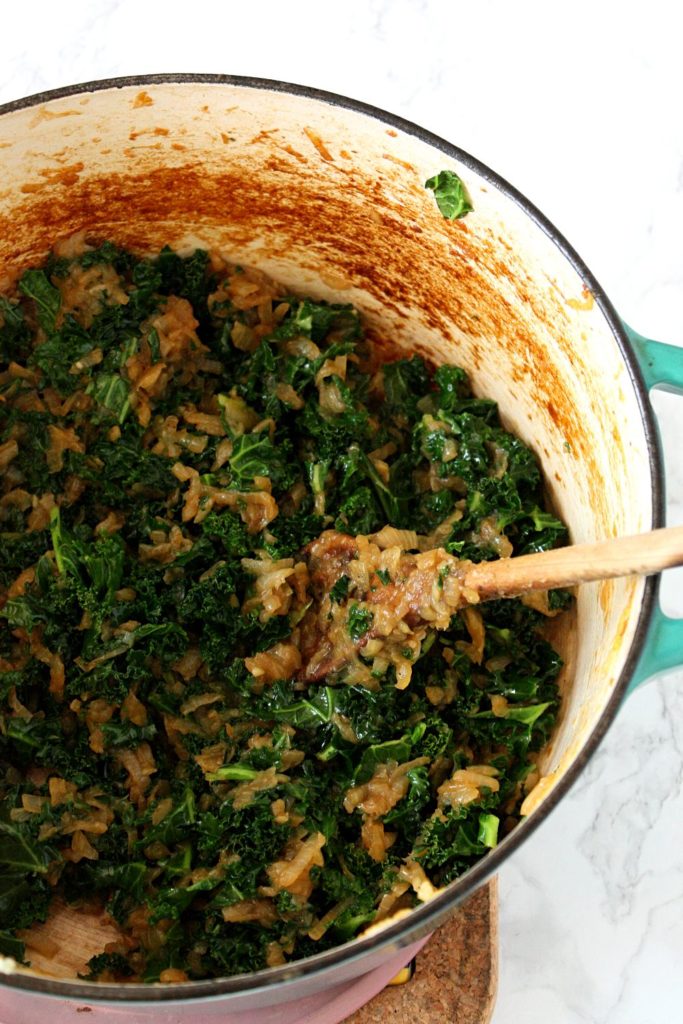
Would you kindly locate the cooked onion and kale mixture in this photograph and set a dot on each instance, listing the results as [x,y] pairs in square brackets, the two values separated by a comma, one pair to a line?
[175,432]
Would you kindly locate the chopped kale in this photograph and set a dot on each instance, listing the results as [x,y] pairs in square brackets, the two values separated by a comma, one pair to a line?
[14,330]
[450,194]
[340,590]
[168,465]
[252,455]
[229,529]
[113,964]
[360,621]
[46,298]
[406,382]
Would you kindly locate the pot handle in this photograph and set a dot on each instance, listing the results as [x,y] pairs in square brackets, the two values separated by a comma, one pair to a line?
[661,365]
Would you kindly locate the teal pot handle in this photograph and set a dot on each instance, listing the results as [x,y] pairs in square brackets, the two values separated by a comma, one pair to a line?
[661,365]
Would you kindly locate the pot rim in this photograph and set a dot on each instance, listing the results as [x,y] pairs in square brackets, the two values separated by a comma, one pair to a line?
[430,915]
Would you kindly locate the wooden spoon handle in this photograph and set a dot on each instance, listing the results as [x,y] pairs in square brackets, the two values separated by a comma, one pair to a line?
[640,555]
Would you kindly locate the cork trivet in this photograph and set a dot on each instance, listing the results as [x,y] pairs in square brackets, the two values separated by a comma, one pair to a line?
[456,974]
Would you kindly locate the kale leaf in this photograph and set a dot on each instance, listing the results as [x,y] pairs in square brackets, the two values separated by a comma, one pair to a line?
[47,299]
[450,194]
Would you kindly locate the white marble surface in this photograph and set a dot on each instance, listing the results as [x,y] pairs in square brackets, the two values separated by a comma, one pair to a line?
[579,106]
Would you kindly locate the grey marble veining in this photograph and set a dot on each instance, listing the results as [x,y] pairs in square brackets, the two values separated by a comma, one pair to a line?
[579,106]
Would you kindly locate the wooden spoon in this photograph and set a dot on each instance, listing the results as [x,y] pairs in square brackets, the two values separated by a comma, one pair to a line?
[639,555]
[429,587]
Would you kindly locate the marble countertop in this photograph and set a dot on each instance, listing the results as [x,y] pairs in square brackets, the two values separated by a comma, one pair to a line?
[578,106]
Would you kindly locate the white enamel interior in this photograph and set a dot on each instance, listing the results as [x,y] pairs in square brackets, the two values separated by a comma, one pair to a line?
[332,202]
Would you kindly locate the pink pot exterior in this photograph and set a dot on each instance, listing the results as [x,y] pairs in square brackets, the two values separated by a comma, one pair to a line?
[327,1006]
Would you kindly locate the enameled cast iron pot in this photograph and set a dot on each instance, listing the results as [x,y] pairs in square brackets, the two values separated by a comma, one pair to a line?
[327,195]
